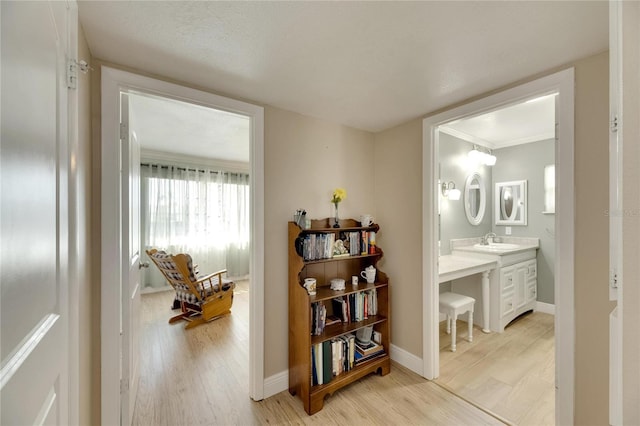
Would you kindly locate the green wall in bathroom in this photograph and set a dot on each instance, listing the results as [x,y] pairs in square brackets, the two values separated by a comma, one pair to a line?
[527,162]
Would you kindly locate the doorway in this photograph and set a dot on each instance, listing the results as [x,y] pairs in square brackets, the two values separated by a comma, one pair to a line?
[511,363]
[562,83]
[113,83]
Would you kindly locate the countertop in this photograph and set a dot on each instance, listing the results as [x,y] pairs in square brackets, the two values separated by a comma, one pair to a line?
[451,266]
[498,252]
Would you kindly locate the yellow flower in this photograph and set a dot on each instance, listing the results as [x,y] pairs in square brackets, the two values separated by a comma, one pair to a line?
[339,194]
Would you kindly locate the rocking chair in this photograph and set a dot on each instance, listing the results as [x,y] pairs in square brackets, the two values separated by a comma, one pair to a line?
[202,298]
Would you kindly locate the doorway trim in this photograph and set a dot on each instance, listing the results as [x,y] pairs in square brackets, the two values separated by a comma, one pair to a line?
[114,81]
[563,83]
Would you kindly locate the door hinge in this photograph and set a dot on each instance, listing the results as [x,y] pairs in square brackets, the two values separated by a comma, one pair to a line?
[613,124]
[124,385]
[123,131]
[613,279]
[72,73]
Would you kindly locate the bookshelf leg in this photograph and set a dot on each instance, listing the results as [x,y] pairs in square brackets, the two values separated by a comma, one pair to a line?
[317,403]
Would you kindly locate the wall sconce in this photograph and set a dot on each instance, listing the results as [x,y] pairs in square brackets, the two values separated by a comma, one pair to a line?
[481,157]
[449,191]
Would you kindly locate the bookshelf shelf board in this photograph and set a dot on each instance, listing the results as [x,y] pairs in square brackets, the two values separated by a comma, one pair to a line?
[335,330]
[327,230]
[339,258]
[325,293]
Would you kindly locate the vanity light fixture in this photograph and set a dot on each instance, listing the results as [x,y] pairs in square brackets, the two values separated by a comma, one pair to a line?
[449,191]
[482,157]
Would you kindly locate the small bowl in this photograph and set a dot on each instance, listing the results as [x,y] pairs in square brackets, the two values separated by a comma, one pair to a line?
[337,284]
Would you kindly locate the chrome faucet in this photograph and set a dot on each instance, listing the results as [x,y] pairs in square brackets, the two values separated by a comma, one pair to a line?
[485,239]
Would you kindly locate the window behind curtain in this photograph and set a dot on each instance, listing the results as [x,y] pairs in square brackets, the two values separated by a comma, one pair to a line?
[198,211]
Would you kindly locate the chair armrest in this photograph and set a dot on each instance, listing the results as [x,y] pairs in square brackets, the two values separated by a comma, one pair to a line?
[208,277]
[201,281]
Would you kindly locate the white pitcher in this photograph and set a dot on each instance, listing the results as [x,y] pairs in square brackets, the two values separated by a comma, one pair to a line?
[369,274]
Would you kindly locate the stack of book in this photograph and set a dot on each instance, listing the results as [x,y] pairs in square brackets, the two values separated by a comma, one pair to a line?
[332,358]
[340,355]
[365,352]
[318,246]
[356,307]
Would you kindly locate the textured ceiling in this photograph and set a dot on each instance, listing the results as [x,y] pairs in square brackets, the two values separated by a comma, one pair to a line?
[178,127]
[370,65]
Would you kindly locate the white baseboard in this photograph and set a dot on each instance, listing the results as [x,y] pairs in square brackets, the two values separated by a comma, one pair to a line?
[150,290]
[277,383]
[407,359]
[546,308]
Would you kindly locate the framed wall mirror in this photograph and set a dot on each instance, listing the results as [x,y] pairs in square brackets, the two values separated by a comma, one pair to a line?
[475,198]
[511,203]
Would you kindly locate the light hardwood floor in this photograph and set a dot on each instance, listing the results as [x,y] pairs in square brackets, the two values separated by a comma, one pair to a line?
[511,373]
[200,377]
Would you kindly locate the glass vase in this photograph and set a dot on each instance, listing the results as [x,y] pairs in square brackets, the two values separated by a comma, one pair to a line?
[336,220]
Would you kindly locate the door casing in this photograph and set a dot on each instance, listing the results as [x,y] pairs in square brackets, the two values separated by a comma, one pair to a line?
[563,83]
[113,82]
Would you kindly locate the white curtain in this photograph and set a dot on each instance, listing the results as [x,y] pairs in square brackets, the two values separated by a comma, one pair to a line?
[202,212]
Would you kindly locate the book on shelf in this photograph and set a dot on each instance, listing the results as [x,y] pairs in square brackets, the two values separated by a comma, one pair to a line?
[339,308]
[326,361]
[359,358]
[355,307]
[318,318]
[372,242]
[316,374]
[332,358]
[364,246]
[318,246]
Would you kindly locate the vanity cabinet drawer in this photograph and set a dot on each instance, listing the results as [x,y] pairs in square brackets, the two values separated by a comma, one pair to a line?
[531,269]
[507,279]
[508,305]
[532,291]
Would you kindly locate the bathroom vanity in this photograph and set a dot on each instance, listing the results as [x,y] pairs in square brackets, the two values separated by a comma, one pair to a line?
[514,281]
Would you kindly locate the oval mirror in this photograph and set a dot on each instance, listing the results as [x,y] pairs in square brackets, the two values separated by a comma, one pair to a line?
[475,198]
[506,203]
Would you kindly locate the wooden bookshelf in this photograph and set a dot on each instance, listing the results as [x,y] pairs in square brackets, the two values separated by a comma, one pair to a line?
[301,339]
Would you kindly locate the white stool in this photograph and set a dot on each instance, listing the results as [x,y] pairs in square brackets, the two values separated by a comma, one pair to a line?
[452,305]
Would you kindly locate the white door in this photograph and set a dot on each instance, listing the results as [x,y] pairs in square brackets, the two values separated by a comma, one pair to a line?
[130,323]
[34,254]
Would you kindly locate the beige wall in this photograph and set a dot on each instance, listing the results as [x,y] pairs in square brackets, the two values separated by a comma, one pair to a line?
[398,195]
[305,159]
[591,235]
[401,149]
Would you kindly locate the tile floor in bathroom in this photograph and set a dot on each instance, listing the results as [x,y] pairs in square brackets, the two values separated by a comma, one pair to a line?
[511,374]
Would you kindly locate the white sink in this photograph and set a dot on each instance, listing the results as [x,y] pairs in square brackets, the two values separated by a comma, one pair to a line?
[497,246]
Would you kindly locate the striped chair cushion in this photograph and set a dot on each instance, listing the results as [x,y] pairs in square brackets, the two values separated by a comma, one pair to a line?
[183,293]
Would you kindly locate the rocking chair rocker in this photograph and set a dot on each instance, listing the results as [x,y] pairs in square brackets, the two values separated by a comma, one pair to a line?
[202,298]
